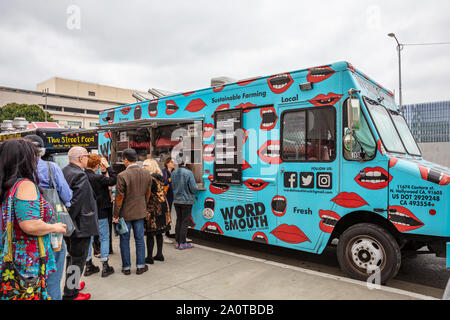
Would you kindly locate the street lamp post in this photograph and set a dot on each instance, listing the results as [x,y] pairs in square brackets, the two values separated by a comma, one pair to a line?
[399,48]
[45,112]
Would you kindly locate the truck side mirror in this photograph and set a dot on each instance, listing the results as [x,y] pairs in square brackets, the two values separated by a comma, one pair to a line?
[353,113]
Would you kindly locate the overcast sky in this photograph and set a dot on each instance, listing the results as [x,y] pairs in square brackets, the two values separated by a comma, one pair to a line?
[180,45]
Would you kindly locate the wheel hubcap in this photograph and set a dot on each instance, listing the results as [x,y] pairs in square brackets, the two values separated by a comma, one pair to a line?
[367,254]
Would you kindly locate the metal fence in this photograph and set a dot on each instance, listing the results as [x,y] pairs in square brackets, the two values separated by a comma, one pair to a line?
[429,122]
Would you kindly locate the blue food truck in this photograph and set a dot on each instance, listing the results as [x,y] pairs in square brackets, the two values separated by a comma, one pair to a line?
[298,159]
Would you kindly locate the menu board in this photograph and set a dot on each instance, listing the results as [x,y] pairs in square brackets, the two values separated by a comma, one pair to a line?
[228,147]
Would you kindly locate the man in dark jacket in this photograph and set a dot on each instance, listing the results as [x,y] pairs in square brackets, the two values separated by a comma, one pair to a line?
[83,211]
[133,190]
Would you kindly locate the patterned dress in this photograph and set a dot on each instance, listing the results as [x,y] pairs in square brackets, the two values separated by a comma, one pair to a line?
[26,249]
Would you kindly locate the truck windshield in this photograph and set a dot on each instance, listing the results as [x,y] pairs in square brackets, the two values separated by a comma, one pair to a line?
[405,134]
[385,126]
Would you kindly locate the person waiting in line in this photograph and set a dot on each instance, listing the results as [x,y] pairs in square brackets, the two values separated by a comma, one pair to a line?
[169,166]
[158,213]
[83,211]
[100,184]
[65,194]
[20,191]
[184,188]
[132,194]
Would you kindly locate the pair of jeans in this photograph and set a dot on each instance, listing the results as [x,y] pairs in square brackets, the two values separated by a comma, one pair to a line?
[77,249]
[103,229]
[89,256]
[183,218]
[138,232]
[54,279]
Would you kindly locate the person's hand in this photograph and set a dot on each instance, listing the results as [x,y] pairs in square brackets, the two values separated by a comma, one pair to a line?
[115,220]
[59,228]
[104,163]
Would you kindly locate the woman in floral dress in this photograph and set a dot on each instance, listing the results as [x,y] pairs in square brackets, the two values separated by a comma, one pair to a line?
[30,214]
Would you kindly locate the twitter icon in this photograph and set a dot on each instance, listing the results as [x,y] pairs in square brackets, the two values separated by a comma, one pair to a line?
[307,180]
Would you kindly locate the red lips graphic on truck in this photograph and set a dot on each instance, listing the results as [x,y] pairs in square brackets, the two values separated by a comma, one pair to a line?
[269,118]
[255,184]
[289,234]
[403,219]
[349,200]
[217,188]
[280,83]
[279,205]
[208,130]
[195,105]
[270,152]
[212,227]
[319,74]
[373,178]
[225,106]
[137,113]
[208,152]
[434,176]
[171,107]
[125,110]
[244,107]
[325,100]
[260,237]
[153,108]
[328,220]
[246,81]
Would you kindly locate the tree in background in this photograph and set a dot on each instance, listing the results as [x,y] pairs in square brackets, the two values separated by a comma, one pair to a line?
[31,112]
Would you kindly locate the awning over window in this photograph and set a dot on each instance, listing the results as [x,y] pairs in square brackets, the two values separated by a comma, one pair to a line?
[135,124]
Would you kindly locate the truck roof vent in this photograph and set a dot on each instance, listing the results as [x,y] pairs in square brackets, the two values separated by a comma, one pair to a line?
[158,93]
[20,123]
[220,81]
[7,125]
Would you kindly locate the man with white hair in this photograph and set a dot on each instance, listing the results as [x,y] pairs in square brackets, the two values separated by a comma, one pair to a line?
[83,210]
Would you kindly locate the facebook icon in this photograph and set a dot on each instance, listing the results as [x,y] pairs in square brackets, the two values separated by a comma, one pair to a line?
[290,180]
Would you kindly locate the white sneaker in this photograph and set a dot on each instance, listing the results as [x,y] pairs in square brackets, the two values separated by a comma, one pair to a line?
[188,240]
[166,239]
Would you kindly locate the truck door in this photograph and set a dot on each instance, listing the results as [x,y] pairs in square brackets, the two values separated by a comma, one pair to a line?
[364,172]
[308,175]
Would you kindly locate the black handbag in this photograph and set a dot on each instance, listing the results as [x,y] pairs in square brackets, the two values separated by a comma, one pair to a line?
[60,213]
[14,286]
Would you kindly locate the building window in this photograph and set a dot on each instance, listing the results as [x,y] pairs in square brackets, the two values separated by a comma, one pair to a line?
[74,123]
[53,108]
[94,124]
[75,110]
[91,93]
[92,112]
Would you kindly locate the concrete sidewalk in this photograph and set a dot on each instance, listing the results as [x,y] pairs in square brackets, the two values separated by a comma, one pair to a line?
[205,273]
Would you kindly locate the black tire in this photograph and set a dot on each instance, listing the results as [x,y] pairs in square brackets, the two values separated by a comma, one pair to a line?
[365,246]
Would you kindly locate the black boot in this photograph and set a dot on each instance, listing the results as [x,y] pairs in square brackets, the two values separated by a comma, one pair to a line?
[90,268]
[107,269]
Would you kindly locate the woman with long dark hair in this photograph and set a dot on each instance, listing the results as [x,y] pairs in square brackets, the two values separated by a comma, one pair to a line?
[30,213]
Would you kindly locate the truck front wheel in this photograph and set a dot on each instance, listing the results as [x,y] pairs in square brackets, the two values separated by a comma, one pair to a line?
[366,250]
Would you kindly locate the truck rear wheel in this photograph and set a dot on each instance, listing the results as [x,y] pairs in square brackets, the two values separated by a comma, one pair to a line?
[365,249]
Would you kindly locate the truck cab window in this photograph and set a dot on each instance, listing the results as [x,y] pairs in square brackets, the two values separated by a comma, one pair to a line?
[309,135]
[363,144]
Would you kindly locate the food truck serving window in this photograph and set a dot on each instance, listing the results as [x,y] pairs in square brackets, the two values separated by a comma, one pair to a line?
[228,139]
[309,135]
